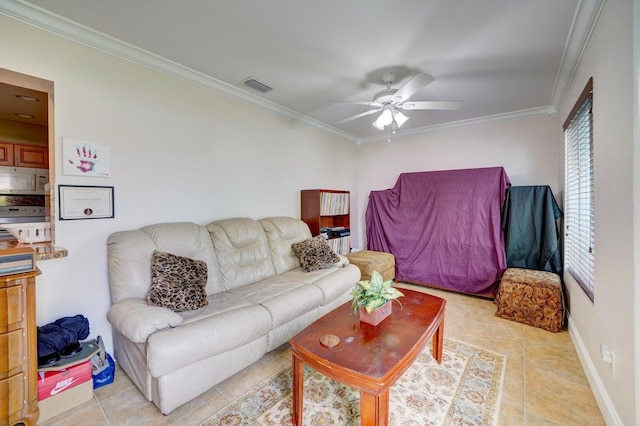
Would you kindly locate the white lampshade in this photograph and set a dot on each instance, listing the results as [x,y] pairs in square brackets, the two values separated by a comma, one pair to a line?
[377,125]
[400,118]
[384,119]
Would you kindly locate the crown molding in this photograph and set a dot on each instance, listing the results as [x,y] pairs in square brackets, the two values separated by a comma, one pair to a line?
[496,118]
[584,21]
[61,26]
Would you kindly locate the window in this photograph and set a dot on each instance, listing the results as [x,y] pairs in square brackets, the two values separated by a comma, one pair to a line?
[578,204]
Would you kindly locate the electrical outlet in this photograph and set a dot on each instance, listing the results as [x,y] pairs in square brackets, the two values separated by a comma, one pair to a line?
[609,357]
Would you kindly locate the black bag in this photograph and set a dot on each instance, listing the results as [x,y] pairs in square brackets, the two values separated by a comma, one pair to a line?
[61,338]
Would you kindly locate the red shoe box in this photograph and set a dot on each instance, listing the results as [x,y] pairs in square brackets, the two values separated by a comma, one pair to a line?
[59,391]
[51,383]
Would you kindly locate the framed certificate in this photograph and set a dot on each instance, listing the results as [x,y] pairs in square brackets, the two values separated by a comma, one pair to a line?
[85,202]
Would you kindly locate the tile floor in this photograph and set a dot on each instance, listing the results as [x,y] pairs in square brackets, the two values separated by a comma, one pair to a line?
[544,382]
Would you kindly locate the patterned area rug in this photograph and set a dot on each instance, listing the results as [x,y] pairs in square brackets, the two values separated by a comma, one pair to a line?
[464,390]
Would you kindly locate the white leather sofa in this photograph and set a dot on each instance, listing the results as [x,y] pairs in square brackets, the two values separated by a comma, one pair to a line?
[258,298]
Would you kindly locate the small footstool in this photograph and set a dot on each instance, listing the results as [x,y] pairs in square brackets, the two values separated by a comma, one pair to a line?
[531,297]
[369,261]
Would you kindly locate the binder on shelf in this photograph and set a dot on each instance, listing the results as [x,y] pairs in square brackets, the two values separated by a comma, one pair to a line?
[340,245]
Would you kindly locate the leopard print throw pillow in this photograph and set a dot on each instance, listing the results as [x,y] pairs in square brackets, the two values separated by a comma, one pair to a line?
[177,283]
[314,254]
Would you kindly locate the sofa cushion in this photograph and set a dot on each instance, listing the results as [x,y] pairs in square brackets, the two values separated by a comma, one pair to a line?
[281,233]
[242,251]
[188,240]
[283,298]
[226,323]
[177,283]
[314,254]
[332,282]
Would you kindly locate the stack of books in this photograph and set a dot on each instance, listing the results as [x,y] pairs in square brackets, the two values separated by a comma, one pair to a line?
[340,245]
[332,203]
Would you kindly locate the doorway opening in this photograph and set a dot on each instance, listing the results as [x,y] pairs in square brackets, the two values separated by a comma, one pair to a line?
[27,143]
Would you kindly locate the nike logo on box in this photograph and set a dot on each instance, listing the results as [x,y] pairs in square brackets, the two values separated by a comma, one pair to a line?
[62,385]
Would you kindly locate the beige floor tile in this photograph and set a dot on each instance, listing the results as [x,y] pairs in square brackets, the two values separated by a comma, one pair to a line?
[120,383]
[510,416]
[531,420]
[130,407]
[513,389]
[559,400]
[562,362]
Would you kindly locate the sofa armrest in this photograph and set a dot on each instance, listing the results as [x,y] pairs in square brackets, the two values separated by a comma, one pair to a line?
[136,320]
[342,263]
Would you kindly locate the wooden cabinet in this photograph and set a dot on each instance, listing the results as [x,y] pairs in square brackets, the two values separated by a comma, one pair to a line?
[18,350]
[326,208]
[19,155]
[31,156]
[6,154]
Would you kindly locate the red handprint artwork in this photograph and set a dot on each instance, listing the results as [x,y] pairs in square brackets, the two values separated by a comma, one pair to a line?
[87,158]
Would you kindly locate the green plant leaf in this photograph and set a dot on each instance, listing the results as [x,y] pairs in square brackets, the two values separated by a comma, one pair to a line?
[373,293]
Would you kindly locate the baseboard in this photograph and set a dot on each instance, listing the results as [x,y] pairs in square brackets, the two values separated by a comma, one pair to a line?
[607,408]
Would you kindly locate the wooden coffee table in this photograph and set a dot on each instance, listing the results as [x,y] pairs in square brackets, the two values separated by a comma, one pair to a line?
[368,358]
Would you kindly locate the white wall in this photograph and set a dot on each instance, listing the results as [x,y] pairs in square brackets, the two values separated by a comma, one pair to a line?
[527,148]
[610,318]
[178,153]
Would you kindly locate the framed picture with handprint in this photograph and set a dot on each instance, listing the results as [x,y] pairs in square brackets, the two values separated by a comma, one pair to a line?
[84,158]
[85,202]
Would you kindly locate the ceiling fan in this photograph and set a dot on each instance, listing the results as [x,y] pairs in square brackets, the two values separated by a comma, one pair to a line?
[391,101]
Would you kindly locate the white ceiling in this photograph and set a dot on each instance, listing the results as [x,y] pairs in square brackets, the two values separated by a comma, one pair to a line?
[502,58]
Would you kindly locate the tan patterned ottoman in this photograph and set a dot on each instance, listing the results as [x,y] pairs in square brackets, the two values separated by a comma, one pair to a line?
[531,297]
[369,261]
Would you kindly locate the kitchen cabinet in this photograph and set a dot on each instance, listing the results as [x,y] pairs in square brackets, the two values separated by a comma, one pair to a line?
[6,154]
[18,350]
[31,156]
[21,155]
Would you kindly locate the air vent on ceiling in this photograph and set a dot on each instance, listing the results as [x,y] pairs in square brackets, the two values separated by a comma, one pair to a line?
[257,85]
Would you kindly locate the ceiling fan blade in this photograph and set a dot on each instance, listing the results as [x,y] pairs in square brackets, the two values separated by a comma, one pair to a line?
[368,103]
[408,106]
[412,86]
[355,117]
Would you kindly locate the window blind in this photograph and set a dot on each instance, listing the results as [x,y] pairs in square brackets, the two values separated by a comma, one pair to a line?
[578,206]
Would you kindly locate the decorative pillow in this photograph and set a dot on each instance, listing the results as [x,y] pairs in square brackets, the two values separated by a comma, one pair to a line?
[177,283]
[314,254]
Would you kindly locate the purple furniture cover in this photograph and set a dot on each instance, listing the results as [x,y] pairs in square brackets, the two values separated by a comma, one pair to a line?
[443,227]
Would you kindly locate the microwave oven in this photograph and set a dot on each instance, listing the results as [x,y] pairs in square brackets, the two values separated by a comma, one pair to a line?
[23,180]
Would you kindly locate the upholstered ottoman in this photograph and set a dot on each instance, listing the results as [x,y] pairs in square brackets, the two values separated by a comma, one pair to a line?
[369,261]
[531,297]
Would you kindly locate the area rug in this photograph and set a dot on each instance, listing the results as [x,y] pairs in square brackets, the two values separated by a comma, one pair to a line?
[464,390]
